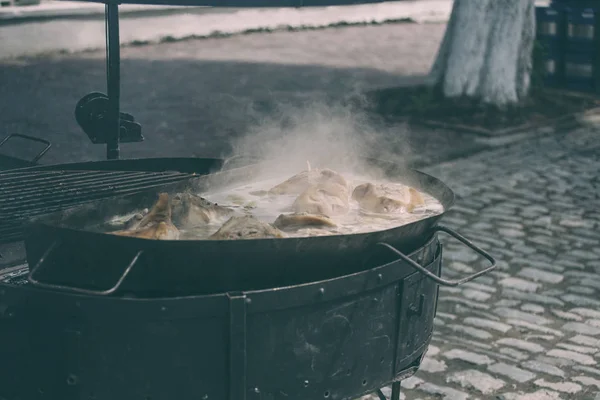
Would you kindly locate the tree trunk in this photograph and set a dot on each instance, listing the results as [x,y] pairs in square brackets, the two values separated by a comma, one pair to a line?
[486,52]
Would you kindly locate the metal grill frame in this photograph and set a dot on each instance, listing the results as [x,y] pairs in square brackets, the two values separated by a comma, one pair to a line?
[35,191]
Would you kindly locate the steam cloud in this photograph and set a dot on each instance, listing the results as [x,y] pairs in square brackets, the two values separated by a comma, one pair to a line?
[324,134]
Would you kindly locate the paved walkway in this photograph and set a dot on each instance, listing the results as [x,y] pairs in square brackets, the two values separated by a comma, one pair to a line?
[531,330]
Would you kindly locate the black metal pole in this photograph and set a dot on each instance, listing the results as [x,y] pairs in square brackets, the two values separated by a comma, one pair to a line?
[113,80]
[395,391]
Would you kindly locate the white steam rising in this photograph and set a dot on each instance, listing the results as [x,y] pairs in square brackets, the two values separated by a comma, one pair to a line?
[325,135]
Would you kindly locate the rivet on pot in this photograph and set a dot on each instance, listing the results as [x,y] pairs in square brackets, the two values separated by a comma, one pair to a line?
[256,390]
[379,277]
[305,383]
[163,308]
[205,397]
[248,300]
[321,291]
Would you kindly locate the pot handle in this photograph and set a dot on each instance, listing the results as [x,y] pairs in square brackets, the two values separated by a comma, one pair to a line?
[40,264]
[434,277]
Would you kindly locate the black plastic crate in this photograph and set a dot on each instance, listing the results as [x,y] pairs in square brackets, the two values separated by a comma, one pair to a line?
[550,34]
[582,30]
[550,23]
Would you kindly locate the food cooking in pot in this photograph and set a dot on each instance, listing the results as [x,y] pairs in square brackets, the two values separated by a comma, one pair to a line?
[329,199]
[315,202]
[305,179]
[382,198]
[246,227]
[190,210]
[287,222]
[156,224]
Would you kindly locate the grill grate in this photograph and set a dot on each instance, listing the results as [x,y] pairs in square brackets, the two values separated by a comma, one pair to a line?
[26,194]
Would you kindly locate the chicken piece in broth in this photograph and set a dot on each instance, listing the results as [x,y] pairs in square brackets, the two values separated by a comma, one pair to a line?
[329,199]
[288,222]
[384,198]
[305,179]
[246,227]
[190,211]
[156,224]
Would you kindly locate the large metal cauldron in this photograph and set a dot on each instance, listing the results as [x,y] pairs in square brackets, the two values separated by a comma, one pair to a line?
[64,250]
[335,339]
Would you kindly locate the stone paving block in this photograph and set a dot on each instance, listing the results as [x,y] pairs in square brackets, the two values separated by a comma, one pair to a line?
[513,355]
[581,300]
[528,326]
[487,324]
[476,295]
[515,373]
[536,275]
[520,284]
[587,381]
[533,308]
[474,332]
[433,366]
[586,340]
[521,344]
[469,303]
[545,368]
[473,379]
[578,349]
[593,322]
[586,312]
[516,314]
[572,355]
[468,356]
[564,387]
[479,285]
[566,315]
[582,328]
[581,290]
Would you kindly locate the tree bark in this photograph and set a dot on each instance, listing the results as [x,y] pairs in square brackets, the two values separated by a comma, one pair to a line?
[486,52]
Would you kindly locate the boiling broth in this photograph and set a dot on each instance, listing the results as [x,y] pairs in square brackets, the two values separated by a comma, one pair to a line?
[253,199]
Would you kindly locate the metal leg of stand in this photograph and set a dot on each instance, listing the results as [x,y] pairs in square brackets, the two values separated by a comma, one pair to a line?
[380,394]
[395,391]
[113,80]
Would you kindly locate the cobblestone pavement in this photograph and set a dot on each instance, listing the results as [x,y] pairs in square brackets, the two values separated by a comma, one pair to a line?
[531,329]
